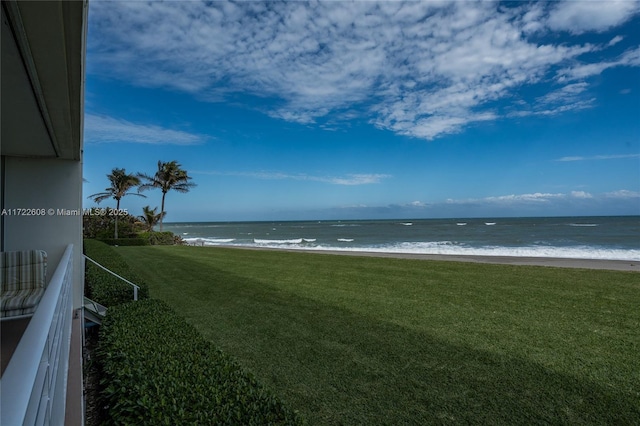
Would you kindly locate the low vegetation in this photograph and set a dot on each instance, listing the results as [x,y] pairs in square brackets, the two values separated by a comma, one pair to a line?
[100,225]
[145,239]
[165,238]
[103,287]
[157,369]
[357,340]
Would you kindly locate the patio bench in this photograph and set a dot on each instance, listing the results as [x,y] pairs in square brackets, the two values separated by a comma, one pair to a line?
[22,282]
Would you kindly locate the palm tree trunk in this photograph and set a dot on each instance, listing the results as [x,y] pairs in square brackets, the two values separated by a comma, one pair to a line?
[162,210]
[117,210]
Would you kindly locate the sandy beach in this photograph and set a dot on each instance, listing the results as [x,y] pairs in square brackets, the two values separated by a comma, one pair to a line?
[614,265]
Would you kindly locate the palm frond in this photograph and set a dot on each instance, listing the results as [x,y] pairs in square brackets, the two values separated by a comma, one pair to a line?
[121,184]
[100,196]
[169,176]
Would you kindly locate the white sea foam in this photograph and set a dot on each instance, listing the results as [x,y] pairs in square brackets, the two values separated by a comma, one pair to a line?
[461,223]
[407,223]
[434,247]
[452,248]
[209,241]
[267,242]
[584,224]
[194,225]
[490,223]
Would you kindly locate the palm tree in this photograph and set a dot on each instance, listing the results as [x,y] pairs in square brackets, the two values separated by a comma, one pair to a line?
[121,183]
[150,218]
[168,177]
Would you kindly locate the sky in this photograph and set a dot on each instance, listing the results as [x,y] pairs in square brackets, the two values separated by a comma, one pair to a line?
[304,110]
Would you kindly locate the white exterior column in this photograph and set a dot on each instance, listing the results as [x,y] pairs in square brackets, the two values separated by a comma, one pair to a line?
[53,185]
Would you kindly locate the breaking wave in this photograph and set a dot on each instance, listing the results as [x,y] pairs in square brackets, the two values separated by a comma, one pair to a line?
[209,241]
[452,248]
[292,241]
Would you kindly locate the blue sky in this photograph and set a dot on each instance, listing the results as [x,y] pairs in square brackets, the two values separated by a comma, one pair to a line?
[346,110]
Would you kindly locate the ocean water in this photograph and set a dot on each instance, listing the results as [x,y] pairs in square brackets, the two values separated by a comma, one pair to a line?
[563,237]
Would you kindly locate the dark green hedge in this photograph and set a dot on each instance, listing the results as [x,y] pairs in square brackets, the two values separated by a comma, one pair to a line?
[158,370]
[166,238]
[103,287]
[125,241]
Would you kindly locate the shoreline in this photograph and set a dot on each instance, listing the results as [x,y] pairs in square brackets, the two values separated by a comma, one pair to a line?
[555,262]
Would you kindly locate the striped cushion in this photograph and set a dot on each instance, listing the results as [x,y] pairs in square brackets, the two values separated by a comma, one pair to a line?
[20,302]
[22,281]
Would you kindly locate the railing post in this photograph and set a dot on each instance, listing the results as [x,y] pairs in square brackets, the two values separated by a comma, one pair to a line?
[135,287]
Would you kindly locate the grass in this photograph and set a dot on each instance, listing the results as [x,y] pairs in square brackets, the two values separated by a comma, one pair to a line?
[360,340]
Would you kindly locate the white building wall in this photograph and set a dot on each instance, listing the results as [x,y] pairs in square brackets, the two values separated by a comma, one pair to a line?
[1,198]
[55,186]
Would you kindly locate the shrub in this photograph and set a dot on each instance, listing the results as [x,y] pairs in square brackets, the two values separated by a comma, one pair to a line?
[125,241]
[157,369]
[165,238]
[178,240]
[100,223]
[103,287]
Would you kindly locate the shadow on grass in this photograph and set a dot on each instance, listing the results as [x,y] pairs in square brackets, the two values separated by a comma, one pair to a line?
[339,367]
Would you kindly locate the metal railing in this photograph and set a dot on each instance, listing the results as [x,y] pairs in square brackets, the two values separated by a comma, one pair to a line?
[93,311]
[34,384]
[135,287]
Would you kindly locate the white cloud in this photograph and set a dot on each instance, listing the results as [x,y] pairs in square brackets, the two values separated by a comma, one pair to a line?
[571,159]
[581,194]
[562,94]
[623,194]
[104,129]
[348,180]
[630,58]
[598,157]
[355,179]
[535,198]
[567,98]
[575,203]
[422,69]
[587,15]
[615,40]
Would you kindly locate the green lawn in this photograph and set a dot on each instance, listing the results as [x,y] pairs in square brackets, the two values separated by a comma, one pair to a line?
[361,340]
